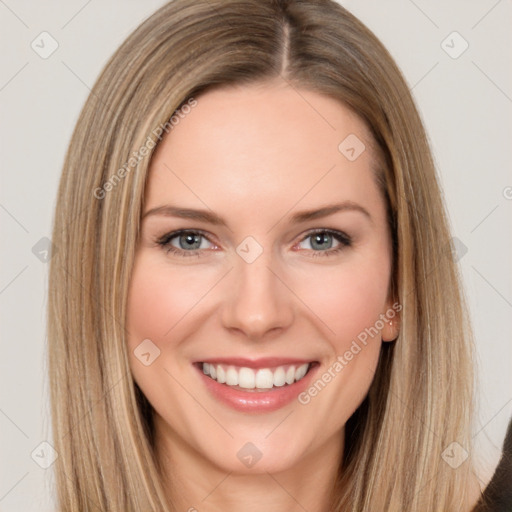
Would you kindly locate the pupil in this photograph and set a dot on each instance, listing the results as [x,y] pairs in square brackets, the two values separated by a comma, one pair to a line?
[190,241]
[321,241]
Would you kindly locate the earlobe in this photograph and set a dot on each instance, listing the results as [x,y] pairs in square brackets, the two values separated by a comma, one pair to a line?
[391,329]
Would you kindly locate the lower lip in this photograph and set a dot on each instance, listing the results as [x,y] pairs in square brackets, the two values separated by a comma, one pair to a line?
[257,400]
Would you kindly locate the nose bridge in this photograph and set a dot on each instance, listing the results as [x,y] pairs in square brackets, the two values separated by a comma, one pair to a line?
[257,301]
[255,280]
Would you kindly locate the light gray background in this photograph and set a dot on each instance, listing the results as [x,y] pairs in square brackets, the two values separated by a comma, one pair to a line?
[466,104]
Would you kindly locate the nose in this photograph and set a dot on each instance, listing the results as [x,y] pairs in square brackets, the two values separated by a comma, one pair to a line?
[257,300]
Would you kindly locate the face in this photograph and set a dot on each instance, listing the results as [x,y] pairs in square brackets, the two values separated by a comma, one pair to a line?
[264,253]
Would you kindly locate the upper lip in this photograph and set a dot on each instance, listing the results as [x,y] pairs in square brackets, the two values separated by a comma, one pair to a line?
[264,362]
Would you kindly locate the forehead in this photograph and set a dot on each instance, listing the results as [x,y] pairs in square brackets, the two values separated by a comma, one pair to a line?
[266,145]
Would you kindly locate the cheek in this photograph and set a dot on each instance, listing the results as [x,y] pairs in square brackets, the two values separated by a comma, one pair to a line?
[348,298]
[159,299]
[160,306]
[349,303]
[149,314]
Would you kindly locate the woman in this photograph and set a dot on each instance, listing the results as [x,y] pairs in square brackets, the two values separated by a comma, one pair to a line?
[206,352]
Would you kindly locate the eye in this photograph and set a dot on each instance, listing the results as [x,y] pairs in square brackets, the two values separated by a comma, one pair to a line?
[184,242]
[322,242]
[325,242]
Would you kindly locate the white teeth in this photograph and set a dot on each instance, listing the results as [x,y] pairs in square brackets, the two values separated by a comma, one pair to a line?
[248,378]
[231,377]
[221,374]
[301,371]
[264,379]
[279,377]
[290,375]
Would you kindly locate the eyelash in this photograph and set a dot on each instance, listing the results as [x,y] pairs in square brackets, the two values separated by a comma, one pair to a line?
[165,242]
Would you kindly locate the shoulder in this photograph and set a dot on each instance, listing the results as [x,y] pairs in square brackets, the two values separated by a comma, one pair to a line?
[497,496]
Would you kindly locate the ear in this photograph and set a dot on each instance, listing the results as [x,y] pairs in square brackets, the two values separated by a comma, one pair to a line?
[391,320]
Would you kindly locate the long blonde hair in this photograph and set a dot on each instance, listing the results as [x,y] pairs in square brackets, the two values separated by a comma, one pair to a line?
[421,399]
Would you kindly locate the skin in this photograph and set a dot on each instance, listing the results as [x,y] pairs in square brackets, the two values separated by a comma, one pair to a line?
[255,155]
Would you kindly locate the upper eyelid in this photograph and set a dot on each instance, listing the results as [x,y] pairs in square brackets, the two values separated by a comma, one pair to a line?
[340,236]
[167,237]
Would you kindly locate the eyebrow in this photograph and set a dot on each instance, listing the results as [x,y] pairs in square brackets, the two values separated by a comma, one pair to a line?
[214,219]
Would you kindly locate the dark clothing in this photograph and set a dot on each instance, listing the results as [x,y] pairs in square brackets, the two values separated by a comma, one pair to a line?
[497,496]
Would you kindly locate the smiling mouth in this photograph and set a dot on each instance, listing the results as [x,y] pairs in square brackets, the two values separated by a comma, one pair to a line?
[251,379]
